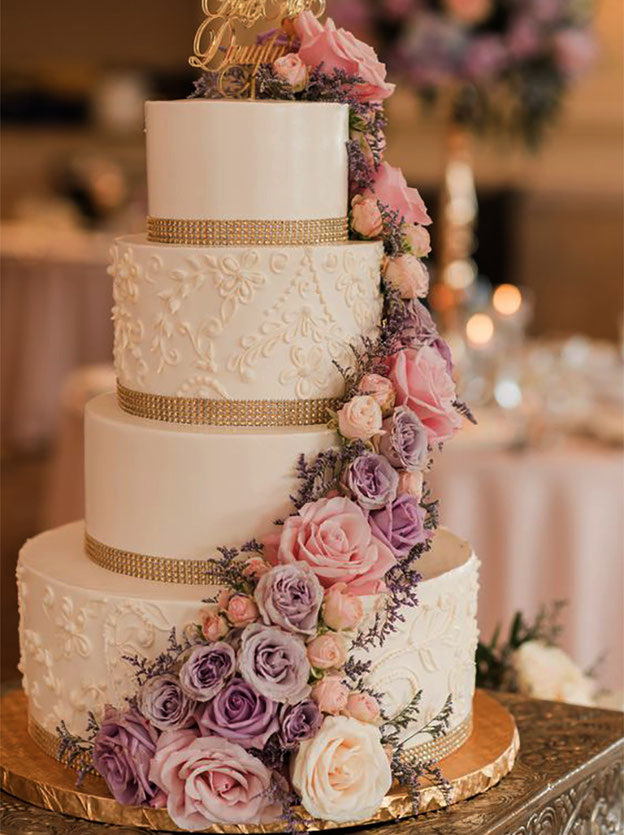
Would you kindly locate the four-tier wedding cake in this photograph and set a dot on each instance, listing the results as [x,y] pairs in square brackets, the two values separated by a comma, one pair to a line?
[257,618]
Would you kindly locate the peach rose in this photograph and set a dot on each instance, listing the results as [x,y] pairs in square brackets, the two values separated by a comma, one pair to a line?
[256,568]
[365,217]
[364,707]
[381,389]
[422,382]
[417,238]
[341,609]
[291,69]
[327,651]
[408,275]
[223,599]
[213,626]
[242,610]
[411,484]
[333,536]
[331,695]
[360,418]
[391,189]
[337,49]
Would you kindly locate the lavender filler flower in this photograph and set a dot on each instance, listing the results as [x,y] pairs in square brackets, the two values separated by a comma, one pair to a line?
[206,670]
[163,703]
[241,714]
[404,442]
[290,596]
[274,663]
[372,481]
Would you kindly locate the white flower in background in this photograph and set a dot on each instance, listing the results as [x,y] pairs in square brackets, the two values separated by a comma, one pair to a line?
[343,773]
[546,672]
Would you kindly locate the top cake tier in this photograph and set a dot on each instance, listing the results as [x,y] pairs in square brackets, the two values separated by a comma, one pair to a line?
[247,160]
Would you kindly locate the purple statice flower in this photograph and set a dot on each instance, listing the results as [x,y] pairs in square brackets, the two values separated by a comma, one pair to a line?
[206,670]
[275,663]
[290,596]
[372,480]
[122,754]
[404,442]
[400,525]
[241,714]
[298,723]
[163,703]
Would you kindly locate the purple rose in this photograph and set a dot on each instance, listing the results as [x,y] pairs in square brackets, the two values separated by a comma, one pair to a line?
[299,722]
[290,596]
[405,442]
[123,751]
[241,714]
[163,703]
[421,330]
[206,670]
[275,663]
[372,481]
[400,525]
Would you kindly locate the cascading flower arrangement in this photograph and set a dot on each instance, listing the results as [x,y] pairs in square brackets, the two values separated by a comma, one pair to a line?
[250,715]
[506,64]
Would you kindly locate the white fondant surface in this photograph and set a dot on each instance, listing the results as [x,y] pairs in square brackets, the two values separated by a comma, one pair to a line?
[165,490]
[241,323]
[246,160]
[78,621]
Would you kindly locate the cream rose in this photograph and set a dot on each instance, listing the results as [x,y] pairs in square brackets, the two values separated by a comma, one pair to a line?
[213,626]
[381,389]
[417,239]
[341,609]
[291,69]
[545,672]
[327,651]
[360,418]
[342,774]
[408,275]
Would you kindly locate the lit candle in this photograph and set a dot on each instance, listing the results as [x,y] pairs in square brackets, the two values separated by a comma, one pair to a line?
[479,330]
[507,300]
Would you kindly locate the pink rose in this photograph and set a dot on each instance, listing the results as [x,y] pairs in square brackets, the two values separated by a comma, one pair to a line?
[331,695]
[410,484]
[364,707]
[256,568]
[381,389]
[291,69]
[242,610]
[365,217]
[223,599]
[214,627]
[341,609]
[423,383]
[337,49]
[360,418]
[327,651]
[333,536]
[417,238]
[210,780]
[408,275]
[391,189]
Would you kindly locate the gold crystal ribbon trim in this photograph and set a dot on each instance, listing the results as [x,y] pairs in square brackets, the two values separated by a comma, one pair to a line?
[206,232]
[145,567]
[435,750]
[207,412]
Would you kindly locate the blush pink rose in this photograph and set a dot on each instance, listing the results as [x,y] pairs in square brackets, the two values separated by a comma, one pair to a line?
[410,484]
[360,418]
[381,389]
[223,599]
[210,780]
[408,276]
[327,651]
[331,695]
[333,536]
[365,217]
[214,627]
[341,609]
[337,49]
[422,382]
[242,610]
[417,238]
[256,568]
[364,707]
[391,189]
[291,69]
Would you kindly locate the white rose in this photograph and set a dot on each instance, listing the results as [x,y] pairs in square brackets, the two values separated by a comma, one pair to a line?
[545,672]
[343,773]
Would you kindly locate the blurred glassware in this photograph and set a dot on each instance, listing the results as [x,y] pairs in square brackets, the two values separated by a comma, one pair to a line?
[118,102]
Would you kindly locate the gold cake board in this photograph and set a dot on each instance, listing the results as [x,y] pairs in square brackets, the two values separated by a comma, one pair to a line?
[30,774]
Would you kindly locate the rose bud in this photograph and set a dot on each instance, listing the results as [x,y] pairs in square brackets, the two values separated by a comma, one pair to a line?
[364,707]
[331,695]
[242,610]
[380,389]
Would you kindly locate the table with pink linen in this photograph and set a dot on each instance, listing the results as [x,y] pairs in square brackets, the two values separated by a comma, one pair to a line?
[548,524]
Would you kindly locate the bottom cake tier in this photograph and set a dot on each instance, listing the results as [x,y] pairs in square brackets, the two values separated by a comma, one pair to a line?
[79,622]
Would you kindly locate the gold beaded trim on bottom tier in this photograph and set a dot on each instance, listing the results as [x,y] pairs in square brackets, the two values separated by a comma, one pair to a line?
[435,750]
[206,232]
[201,411]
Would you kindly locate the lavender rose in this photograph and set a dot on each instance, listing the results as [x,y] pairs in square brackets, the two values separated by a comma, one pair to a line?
[405,441]
[290,596]
[122,754]
[400,525]
[372,481]
[241,714]
[206,670]
[163,703]
[275,663]
[421,330]
[299,722]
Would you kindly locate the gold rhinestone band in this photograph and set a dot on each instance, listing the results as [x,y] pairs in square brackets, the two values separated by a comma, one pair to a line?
[195,410]
[443,746]
[247,232]
[50,743]
[160,569]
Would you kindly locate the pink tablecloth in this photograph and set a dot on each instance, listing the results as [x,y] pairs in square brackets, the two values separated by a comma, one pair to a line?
[547,524]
